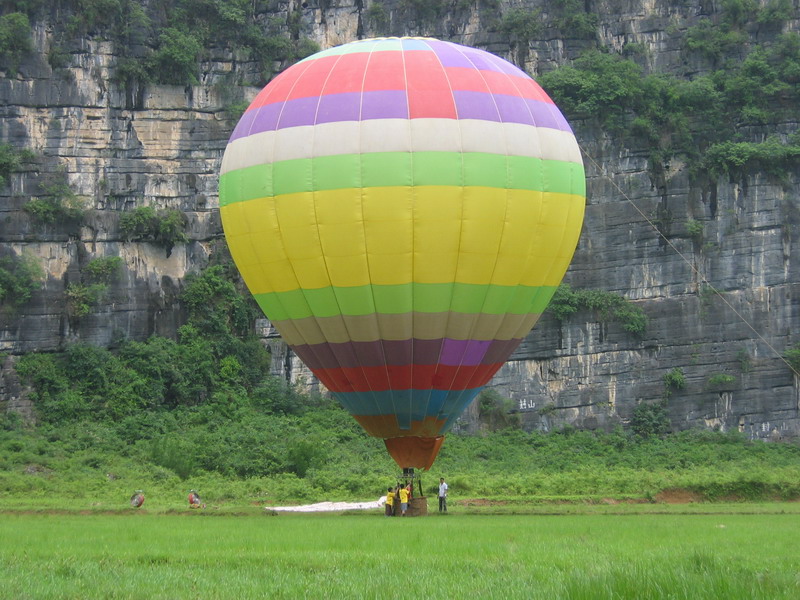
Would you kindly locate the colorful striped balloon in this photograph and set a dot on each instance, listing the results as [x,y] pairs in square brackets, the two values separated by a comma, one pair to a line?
[403,209]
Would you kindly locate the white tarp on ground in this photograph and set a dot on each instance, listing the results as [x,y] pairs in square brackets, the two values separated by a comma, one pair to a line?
[330,506]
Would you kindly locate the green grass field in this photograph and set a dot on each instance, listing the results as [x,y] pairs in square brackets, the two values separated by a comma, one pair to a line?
[203,555]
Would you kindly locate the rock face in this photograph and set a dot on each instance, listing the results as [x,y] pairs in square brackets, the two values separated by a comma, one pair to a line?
[162,147]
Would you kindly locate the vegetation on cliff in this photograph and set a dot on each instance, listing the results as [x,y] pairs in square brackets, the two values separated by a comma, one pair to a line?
[700,118]
[202,411]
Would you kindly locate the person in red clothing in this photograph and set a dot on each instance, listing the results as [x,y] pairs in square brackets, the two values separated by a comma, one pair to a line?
[194,500]
[137,499]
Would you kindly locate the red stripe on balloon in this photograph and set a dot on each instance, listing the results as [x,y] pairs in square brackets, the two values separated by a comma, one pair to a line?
[427,81]
[347,74]
[310,83]
[405,377]
[385,71]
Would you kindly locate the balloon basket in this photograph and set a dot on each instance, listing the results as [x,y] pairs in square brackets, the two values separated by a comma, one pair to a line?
[418,507]
[417,504]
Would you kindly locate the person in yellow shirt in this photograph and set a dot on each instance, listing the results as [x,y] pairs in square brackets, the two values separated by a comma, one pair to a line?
[390,502]
[403,493]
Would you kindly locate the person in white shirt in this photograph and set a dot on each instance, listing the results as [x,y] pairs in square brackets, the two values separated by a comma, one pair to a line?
[442,495]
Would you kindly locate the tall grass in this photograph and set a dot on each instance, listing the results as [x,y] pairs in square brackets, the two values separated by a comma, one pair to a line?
[369,556]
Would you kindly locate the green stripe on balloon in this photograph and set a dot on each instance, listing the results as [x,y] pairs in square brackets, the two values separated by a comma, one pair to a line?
[389,169]
[405,298]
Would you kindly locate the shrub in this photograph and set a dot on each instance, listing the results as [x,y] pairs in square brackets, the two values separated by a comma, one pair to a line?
[175,455]
[103,270]
[650,419]
[792,356]
[82,298]
[15,40]
[674,380]
[164,227]
[9,162]
[497,412]
[597,84]
[20,276]
[610,306]
[521,25]
[775,12]
[736,158]
[720,382]
[743,356]
[176,60]
[56,202]
[574,21]
[377,16]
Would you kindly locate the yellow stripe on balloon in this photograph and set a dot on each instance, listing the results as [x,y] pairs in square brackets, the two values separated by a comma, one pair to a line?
[395,235]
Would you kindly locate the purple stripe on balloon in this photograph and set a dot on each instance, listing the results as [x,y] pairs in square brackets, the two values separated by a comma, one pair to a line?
[398,352]
[500,350]
[243,126]
[450,55]
[392,104]
[463,352]
[542,115]
[480,60]
[466,353]
[338,107]
[427,352]
[476,105]
[266,118]
[295,113]
[384,104]
[513,109]
[504,66]
[368,354]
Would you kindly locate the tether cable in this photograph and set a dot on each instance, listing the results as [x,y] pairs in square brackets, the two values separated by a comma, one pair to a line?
[697,271]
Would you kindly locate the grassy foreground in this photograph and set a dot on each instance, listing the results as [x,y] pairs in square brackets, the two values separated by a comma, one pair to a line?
[368,556]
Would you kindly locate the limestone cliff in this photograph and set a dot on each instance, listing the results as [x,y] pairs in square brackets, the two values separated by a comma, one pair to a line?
[118,147]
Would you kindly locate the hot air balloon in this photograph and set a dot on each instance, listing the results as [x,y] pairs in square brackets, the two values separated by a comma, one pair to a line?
[403,209]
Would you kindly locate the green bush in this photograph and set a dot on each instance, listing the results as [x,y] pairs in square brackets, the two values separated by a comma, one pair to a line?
[674,380]
[176,61]
[103,270]
[20,276]
[737,158]
[520,25]
[650,419]
[164,227]
[574,22]
[695,230]
[10,160]
[712,41]
[720,382]
[81,298]
[775,12]
[174,454]
[792,356]
[15,40]
[377,16]
[56,202]
[497,412]
[609,306]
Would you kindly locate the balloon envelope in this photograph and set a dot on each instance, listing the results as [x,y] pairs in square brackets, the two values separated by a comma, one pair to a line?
[403,209]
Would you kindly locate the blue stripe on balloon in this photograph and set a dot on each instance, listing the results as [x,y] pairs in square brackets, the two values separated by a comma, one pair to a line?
[408,405]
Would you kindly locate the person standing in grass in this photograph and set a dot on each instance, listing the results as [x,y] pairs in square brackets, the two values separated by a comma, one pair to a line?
[403,492]
[442,495]
[390,502]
